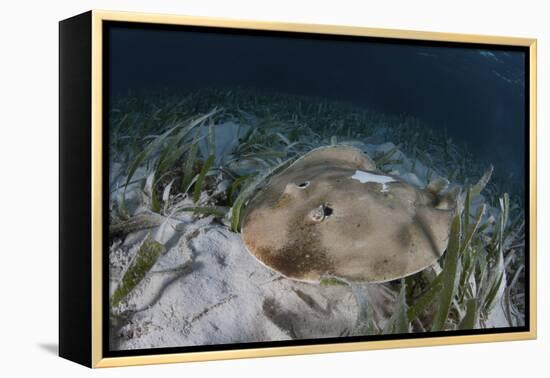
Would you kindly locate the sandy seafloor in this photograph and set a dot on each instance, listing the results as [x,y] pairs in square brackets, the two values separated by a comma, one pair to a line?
[207,289]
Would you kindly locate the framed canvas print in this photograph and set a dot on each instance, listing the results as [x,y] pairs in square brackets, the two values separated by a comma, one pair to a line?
[235,188]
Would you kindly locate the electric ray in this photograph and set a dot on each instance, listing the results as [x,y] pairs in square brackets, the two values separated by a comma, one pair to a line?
[332,214]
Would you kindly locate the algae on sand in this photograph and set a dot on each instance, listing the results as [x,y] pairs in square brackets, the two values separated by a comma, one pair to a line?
[146,256]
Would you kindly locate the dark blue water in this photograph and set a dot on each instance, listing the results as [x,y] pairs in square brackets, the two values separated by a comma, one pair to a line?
[477,94]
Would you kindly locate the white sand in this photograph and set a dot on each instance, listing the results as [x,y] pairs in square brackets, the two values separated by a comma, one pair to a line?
[219,293]
[364,177]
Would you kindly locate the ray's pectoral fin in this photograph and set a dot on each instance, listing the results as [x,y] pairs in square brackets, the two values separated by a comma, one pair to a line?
[435,226]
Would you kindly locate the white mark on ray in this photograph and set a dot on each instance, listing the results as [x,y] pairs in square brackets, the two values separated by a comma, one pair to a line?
[365,177]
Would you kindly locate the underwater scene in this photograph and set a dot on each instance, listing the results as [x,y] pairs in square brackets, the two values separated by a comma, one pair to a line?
[270,187]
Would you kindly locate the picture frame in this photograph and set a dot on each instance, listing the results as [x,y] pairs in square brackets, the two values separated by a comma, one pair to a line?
[89,73]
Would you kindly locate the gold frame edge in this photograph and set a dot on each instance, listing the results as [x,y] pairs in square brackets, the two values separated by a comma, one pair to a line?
[98,16]
[97,173]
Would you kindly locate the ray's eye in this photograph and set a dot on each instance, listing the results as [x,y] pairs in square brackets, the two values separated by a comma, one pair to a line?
[303,185]
[320,213]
